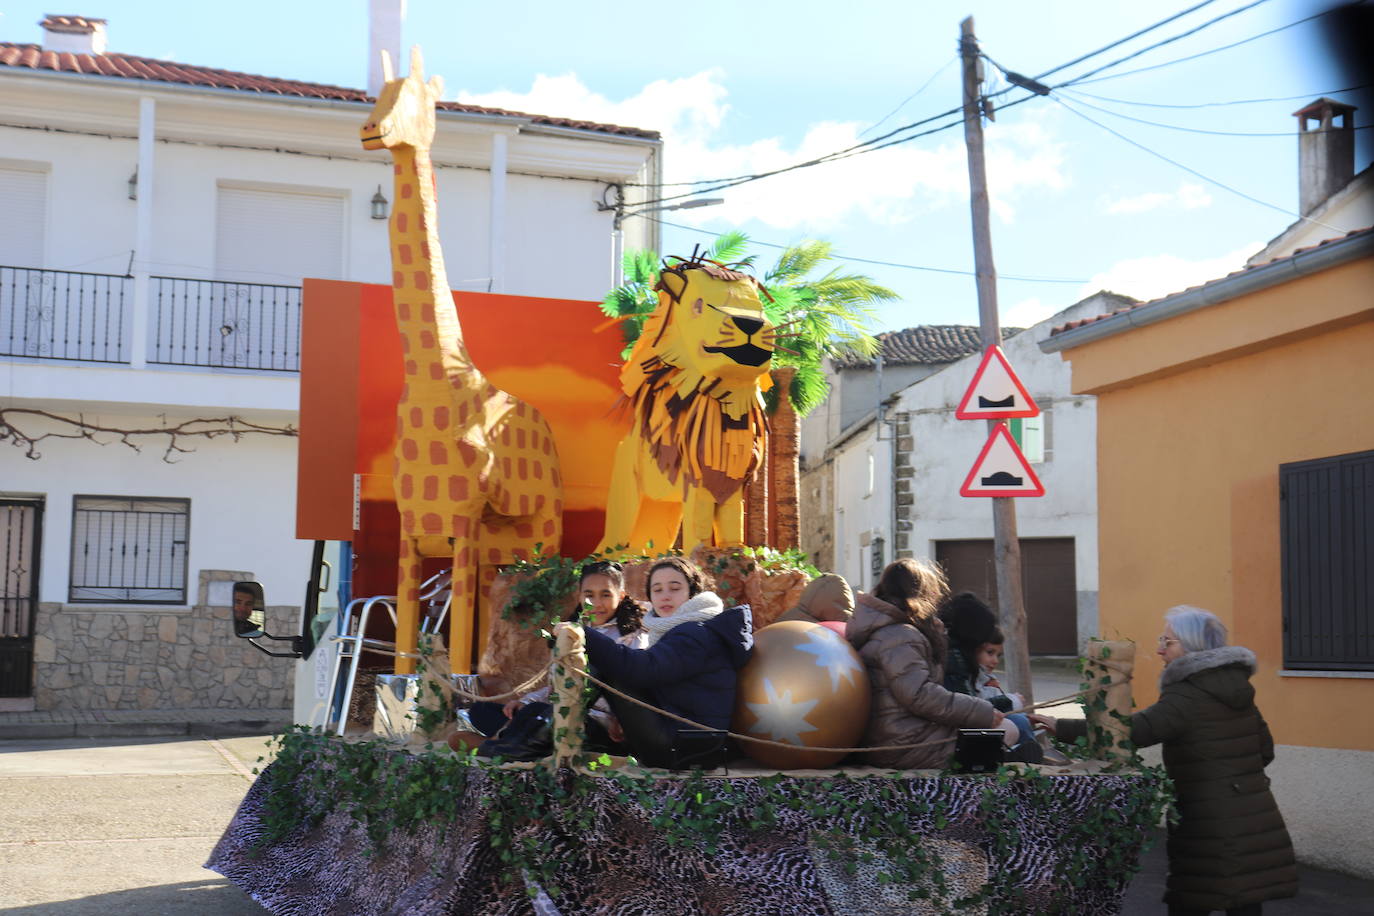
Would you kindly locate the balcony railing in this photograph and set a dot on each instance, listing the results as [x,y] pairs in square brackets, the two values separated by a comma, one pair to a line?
[62,314]
[228,325]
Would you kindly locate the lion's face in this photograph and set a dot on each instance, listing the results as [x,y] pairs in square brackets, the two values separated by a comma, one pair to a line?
[716,329]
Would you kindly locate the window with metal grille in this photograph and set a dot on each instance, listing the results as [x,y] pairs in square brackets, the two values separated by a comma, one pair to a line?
[1327,530]
[129,550]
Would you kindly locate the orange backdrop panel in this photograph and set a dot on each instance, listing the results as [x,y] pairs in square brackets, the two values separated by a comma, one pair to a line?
[540,350]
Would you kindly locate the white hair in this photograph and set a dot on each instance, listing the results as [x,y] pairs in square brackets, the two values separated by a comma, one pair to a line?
[1196,629]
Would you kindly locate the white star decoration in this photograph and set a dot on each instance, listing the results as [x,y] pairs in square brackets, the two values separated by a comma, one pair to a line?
[832,654]
[780,718]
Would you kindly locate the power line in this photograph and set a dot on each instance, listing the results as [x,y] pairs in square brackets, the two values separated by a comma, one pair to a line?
[1122,41]
[1189,170]
[1178,60]
[903,103]
[921,267]
[1197,130]
[1159,44]
[1281,98]
[891,138]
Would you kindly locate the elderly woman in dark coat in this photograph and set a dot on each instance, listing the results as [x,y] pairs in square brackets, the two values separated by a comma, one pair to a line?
[1229,850]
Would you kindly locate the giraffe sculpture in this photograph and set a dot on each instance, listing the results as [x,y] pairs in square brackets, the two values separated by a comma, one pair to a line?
[476,473]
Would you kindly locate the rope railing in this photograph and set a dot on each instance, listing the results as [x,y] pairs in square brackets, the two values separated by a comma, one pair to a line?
[556,661]
[807,747]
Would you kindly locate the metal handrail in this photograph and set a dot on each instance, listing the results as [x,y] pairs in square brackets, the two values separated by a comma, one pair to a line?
[352,646]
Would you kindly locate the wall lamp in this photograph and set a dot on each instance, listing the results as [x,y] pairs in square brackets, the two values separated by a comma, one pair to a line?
[379,204]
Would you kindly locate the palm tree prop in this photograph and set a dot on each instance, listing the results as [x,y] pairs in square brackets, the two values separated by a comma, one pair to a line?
[815,318]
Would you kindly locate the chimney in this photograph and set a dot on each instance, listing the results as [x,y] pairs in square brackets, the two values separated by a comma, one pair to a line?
[1326,152]
[73,34]
[384,18]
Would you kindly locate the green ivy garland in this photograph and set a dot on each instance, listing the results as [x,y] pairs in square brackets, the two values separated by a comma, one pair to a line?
[386,792]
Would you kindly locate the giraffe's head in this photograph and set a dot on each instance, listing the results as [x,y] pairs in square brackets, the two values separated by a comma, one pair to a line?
[404,113]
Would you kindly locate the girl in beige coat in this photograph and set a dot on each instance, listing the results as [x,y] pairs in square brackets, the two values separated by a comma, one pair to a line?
[902,643]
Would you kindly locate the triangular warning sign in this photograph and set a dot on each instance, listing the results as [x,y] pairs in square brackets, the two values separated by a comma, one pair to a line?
[995,393]
[1001,469]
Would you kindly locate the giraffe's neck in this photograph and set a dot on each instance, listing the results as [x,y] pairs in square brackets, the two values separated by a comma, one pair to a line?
[434,353]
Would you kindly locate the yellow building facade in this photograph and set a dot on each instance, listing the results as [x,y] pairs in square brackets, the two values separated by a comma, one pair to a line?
[1202,397]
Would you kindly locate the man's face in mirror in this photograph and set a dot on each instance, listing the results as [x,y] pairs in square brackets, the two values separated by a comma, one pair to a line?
[243,604]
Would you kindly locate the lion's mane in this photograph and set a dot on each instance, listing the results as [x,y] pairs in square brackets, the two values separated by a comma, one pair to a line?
[711,432]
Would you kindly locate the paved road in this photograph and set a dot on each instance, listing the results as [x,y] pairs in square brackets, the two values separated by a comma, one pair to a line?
[120,827]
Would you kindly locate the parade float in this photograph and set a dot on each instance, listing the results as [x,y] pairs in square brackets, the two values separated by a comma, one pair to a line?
[493,441]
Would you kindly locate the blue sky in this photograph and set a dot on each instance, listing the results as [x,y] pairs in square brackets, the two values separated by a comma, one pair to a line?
[740,87]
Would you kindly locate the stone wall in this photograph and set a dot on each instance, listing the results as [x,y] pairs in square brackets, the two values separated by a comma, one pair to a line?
[113,657]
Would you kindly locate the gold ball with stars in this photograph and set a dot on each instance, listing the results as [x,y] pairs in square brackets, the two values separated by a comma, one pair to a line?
[806,686]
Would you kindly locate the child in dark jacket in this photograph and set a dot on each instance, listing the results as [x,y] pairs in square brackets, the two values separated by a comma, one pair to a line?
[973,633]
[696,648]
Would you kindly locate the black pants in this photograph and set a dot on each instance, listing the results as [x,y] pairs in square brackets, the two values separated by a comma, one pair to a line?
[650,736]
[1252,909]
[488,717]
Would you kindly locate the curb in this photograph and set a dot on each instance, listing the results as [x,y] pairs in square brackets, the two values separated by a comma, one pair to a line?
[43,730]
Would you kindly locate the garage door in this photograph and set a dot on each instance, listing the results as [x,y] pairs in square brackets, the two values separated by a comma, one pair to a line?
[1047,582]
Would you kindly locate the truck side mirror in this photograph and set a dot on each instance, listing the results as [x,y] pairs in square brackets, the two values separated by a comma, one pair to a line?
[250,610]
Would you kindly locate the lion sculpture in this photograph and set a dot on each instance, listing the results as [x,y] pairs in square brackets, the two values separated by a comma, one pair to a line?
[693,383]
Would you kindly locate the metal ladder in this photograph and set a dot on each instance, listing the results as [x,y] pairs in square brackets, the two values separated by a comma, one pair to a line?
[435,595]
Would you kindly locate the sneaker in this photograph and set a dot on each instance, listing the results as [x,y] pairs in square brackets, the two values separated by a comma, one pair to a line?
[1051,755]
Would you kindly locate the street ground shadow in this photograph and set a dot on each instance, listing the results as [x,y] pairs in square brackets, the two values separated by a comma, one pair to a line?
[189,898]
[1320,892]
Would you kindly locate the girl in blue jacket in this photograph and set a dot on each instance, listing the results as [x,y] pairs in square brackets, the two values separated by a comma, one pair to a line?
[696,648]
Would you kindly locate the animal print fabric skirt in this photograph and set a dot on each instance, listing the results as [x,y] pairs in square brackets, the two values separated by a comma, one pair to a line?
[622,865]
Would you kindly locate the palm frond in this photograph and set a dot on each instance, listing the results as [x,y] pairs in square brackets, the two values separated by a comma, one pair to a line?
[799,260]
[729,247]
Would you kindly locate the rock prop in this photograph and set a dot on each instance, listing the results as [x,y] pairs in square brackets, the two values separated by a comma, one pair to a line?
[806,686]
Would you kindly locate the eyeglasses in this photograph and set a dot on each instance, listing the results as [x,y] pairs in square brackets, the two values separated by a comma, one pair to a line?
[1165,641]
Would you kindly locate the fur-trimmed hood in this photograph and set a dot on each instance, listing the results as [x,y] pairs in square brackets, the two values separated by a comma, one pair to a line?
[1224,673]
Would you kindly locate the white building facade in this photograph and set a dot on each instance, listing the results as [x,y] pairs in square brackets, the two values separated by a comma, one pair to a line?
[156,228]
[897,479]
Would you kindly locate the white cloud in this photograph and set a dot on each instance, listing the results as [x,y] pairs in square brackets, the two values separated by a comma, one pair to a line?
[1028,312]
[1159,275]
[889,186]
[1187,197]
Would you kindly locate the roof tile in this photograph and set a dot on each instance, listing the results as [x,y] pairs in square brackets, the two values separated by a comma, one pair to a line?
[79,24]
[925,344]
[128,66]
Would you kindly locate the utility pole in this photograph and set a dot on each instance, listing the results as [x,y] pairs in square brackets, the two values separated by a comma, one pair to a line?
[1011,604]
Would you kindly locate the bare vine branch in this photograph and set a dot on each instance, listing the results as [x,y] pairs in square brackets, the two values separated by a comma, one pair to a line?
[30,433]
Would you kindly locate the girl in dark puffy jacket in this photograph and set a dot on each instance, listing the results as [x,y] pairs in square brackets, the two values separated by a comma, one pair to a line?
[696,648]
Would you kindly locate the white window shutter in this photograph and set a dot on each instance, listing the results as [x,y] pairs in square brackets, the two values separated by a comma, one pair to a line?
[278,237]
[23,201]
